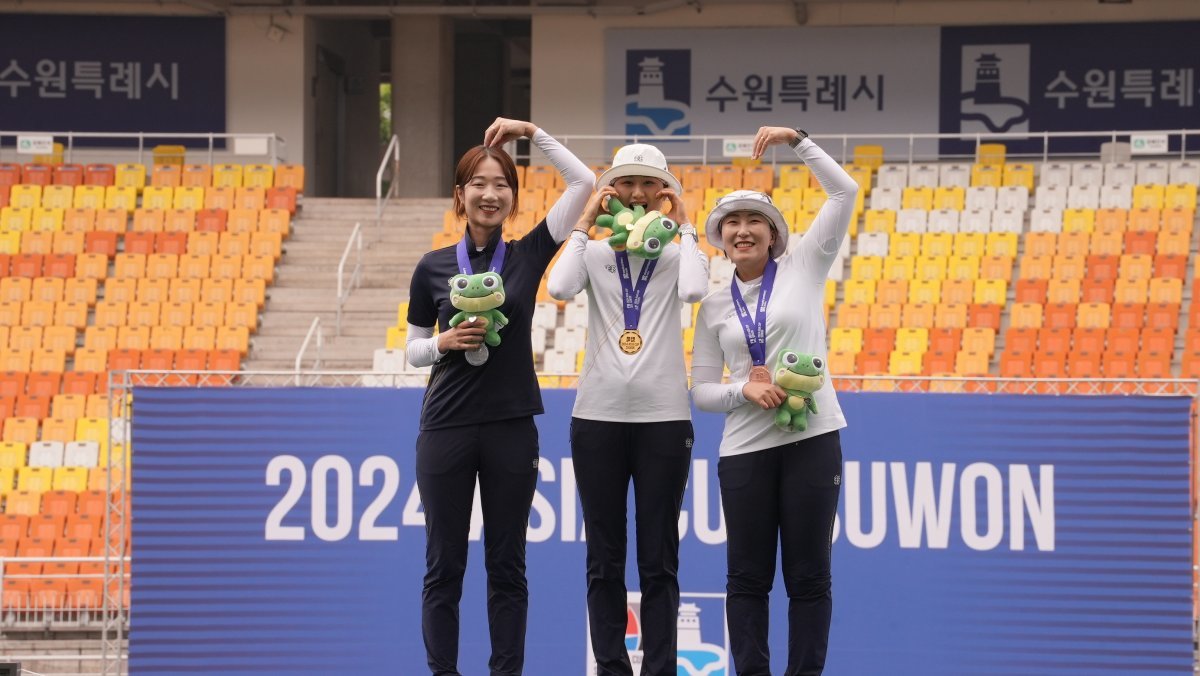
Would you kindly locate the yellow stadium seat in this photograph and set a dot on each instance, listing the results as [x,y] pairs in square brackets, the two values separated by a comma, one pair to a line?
[991,154]
[963,267]
[912,339]
[70,479]
[227,175]
[258,176]
[131,176]
[866,267]
[879,220]
[166,337]
[859,291]
[853,315]
[1079,220]
[991,292]
[180,220]
[950,198]
[16,219]
[250,198]
[846,339]
[214,290]
[190,198]
[88,197]
[986,176]
[970,244]
[1069,267]
[219,197]
[1136,266]
[1018,174]
[904,363]
[925,291]
[1149,196]
[25,196]
[868,155]
[937,244]
[980,339]
[13,455]
[899,267]
[120,197]
[931,268]
[950,316]
[1063,290]
[1180,196]
[158,198]
[200,338]
[794,176]
[917,198]
[58,196]
[148,220]
[1026,316]
[967,363]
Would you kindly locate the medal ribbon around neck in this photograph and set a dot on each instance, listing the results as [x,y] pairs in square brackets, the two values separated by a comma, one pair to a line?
[464,261]
[755,329]
[631,294]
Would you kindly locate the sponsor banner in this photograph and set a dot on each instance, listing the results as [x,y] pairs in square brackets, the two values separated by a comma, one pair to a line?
[1083,77]
[112,74]
[710,82]
[35,145]
[280,530]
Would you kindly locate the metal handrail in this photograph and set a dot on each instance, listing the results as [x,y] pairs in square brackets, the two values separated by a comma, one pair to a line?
[315,327]
[845,139]
[343,290]
[392,152]
[276,143]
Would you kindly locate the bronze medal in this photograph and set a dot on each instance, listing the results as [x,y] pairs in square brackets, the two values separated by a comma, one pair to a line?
[630,341]
[760,374]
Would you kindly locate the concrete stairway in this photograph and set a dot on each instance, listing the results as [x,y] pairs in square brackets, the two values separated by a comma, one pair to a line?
[306,281]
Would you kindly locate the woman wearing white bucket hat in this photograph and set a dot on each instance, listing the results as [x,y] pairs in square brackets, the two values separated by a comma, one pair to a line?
[631,420]
[776,485]
[477,417]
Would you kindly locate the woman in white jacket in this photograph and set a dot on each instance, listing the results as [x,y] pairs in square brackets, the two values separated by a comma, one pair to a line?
[631,420]
[776,485]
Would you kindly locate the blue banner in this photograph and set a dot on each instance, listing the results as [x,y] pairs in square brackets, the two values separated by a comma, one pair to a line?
[1086,77]
[279,530]
[112,73]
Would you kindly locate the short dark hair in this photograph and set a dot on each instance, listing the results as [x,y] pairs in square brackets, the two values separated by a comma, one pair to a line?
[470,161]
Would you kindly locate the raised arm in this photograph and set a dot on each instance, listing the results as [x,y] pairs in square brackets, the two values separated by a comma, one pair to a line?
[818,247]
[569,275]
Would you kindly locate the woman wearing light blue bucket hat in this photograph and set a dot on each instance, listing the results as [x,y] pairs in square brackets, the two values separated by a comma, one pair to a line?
[780,465]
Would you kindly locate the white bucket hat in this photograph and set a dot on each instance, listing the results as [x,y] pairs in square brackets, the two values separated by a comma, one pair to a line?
[747,200]
[640,159]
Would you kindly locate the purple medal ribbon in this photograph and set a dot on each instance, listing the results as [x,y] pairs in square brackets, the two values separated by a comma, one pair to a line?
[464,262]
[756,329]
[633,294]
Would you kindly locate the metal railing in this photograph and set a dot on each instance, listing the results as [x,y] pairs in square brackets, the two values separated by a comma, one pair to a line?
[344,288]
[711,145]
[391,156]
[313,329]
[276,145]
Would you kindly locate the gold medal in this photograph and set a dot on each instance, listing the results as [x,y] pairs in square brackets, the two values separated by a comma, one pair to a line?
[630,341]
[760,374]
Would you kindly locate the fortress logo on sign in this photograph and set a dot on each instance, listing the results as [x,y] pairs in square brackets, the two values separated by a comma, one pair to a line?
[703,638]
[658,86]
[995,88]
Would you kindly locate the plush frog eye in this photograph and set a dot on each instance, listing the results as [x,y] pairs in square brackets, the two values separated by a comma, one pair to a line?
[668,224]
[652,244]
[459,282]
[491,281]
[790,358]
[818,363]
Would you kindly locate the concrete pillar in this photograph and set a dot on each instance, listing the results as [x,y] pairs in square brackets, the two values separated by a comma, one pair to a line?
[423,103]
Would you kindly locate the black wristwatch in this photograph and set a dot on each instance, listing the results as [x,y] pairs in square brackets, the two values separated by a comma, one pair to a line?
[800,136]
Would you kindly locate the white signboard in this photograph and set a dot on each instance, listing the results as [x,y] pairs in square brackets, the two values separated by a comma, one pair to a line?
[35,145]
[740,146]
[1148,144]
[828,81]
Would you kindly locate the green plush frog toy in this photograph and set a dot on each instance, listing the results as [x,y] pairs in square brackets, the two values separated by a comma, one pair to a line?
[640,232]
[799,375]
[479,297]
